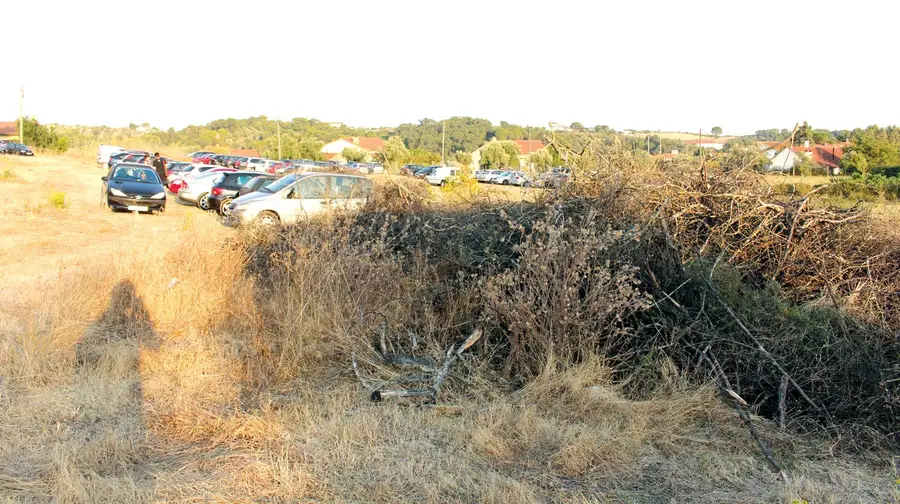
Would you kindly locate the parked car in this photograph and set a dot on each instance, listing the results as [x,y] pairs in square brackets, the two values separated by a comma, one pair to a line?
[442,174]
[175,167]
[256,164]
[195,190]
[139,157]
[17,148]
[297,196]
[424,172]
[512,177]
[274,167]
[225,188]
[257,183]
[133,187]
[198,154]
[553,179]
[176,182]
[497,175]
[410,169]
[240,162]
[486,175]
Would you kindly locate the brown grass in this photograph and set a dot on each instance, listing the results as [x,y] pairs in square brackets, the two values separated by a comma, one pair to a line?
[116,387]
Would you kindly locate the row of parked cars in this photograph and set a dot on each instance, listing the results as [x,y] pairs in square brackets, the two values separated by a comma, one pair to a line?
[15,148]
[441,175]
[280,166]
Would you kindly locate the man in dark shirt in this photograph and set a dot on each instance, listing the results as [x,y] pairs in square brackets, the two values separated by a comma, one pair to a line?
[160,166]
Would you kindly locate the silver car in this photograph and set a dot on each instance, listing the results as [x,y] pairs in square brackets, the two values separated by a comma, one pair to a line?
[298,196]
[256,164]
[196,190]
[486,175]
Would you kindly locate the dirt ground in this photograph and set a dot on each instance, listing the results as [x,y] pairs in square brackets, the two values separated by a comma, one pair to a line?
[120,383]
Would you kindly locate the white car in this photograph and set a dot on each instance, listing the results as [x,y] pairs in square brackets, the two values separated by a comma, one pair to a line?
[256,164]
[497,176]
[485,175]
[298,196]
[442,174]
[514,177]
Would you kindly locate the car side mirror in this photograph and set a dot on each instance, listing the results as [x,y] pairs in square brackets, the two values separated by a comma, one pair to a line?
[104,178]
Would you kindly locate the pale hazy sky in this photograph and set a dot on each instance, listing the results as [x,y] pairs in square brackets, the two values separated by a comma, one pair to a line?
[670,65]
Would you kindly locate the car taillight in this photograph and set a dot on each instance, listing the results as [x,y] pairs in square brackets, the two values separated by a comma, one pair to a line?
[183,186]
[216,191]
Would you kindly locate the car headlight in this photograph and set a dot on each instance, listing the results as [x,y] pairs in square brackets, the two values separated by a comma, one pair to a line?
[116,192]
[160,195]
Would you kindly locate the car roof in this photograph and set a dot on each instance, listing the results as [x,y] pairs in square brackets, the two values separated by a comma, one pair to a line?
[134,165]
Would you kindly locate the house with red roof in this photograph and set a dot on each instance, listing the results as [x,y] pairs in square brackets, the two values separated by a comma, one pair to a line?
[828,156]
[370,145]
[9,131]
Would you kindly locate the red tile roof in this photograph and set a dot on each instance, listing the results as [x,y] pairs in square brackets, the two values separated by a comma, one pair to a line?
[527,147]
[370,144]
[9,129]
[823,155]
[244,152]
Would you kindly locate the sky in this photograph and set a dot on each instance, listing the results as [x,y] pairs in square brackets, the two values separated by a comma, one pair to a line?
[669,65]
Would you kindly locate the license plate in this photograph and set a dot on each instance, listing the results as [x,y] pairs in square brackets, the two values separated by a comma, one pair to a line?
[135,208]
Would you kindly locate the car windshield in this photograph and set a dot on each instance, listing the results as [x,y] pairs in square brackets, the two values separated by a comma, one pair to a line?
[135,174]
[280,184]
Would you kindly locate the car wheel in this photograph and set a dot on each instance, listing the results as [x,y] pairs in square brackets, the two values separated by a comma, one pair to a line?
[526,184]
[223,208]
[267,219]
[505,182]
[203,201]
[443,183]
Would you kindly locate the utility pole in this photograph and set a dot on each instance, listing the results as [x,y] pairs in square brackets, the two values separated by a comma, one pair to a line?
[278,124]
[21,127]
[442,143]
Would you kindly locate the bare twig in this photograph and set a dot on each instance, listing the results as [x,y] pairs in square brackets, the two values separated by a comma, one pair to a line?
[782,396]
[759,346]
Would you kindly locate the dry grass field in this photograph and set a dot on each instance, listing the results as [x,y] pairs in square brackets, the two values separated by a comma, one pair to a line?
[129,364]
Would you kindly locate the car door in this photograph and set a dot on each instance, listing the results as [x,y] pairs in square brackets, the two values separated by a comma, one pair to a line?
[314,196]
[349,192]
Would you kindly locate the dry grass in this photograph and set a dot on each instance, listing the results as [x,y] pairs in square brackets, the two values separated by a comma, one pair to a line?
[118,386]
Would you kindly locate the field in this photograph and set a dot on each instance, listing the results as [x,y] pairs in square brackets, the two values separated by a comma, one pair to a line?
[138,364]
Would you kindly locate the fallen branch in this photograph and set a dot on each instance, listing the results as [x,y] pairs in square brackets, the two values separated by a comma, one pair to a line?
[739,404]
[759,346]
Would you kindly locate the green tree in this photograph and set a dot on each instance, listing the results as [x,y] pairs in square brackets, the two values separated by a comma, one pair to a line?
[395,153]
[577,126]
[42,137]
[494,156]
[716,131]
[804,133]
[542,160]
[463,158]
[310,149]
[855,161]
[352,154]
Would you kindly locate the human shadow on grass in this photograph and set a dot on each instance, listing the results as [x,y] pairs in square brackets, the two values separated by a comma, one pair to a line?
[108,388]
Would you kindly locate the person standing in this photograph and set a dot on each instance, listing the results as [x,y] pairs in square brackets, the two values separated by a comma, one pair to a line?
[160,166]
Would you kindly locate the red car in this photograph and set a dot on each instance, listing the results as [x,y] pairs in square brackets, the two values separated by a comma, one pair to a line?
[274,167]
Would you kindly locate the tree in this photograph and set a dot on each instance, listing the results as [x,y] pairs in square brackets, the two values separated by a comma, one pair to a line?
[716,131]
[804,133]
[310,149]
[541,160]
[855,161]
[395,153]
[577,126]
[353,155]
[512,149]
[494,156]
[38,135]
[464,158]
